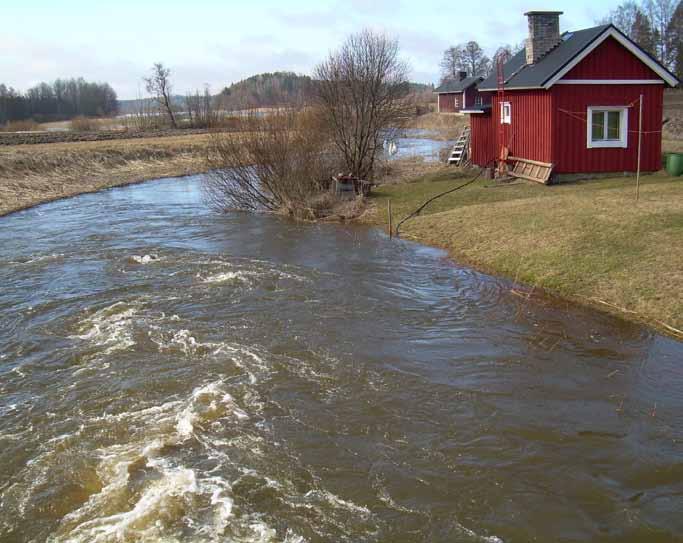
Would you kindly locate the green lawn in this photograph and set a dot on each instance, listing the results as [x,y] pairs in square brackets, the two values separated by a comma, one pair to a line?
[588,240]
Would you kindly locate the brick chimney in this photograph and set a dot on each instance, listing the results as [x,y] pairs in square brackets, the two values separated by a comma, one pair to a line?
[544,34]
[462,75]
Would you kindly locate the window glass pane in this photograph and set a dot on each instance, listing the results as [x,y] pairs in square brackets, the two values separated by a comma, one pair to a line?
[598,123]
[613,118]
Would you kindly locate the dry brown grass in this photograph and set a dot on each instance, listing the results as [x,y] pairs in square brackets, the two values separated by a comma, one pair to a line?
[443,126]
[89,124]
[21,126]
[38,173]
[406,170]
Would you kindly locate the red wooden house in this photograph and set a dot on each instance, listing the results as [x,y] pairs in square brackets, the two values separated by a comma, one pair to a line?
[455,95]
[573,100]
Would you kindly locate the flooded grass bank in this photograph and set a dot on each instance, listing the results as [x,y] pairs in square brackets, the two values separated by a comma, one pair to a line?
[587,241]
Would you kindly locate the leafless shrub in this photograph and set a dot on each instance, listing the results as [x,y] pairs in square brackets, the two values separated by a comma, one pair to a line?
[84,124]
[200,109]
[363,91]
[274,162]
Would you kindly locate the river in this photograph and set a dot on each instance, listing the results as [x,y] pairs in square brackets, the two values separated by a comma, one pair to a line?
[170,374]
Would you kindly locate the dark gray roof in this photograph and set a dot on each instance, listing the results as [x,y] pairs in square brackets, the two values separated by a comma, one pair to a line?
[519,74]
[458,86]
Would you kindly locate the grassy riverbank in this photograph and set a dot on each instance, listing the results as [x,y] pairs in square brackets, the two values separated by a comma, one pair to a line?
[589,241]
[33,174]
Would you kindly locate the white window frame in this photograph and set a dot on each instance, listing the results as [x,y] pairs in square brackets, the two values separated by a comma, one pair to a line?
[622,142]
[478,101]
[505,118]
[456,102]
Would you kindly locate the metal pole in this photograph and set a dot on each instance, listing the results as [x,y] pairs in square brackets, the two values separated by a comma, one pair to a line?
[640,140]
[391,230]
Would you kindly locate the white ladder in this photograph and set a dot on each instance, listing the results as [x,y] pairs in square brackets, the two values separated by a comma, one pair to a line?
[459,154]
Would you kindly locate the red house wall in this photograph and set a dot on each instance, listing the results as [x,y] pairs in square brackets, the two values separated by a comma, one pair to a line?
[550,126]
[611,60]
[447,102]
[529,134]
[471,97]
[570,151]
[482,139]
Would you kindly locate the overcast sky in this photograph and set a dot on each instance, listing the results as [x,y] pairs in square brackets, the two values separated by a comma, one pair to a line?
[220,42]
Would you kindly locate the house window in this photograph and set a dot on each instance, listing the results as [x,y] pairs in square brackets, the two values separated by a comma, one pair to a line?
[505,113]
[478,101]
[607,127]
[457,102]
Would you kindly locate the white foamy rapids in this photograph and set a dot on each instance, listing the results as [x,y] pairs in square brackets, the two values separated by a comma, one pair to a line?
[257,271]
[110,327]
[38,259]
[168,497]
[241,277]
[144,259]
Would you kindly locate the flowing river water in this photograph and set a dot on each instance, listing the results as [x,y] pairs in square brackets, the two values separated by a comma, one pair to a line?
[170,374]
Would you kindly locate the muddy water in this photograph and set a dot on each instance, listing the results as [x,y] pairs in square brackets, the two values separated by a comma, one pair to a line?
[167,374]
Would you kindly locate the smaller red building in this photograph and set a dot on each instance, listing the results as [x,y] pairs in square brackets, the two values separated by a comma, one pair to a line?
[455,95]
[573,100]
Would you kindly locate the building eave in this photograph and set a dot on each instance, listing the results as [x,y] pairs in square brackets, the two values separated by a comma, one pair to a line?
[634,49]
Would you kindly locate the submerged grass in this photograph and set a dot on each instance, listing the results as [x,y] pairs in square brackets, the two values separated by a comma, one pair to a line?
[588,240]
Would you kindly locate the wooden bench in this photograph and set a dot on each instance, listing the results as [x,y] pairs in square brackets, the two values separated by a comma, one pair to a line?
[532,170]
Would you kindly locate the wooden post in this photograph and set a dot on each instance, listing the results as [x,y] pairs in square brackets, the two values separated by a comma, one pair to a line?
[391,230]
[640,139]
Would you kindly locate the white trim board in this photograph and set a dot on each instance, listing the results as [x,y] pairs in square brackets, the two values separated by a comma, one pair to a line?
[628,44]
[610,82]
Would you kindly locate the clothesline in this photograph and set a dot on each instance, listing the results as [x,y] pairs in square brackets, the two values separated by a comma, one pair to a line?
[579,116]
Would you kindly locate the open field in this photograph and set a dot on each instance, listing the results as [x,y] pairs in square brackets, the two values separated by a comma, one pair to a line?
[587,241]
[32,174]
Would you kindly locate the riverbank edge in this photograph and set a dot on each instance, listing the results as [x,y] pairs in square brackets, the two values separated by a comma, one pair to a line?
[530,289]
[132,180]
[370,217]
[374,217]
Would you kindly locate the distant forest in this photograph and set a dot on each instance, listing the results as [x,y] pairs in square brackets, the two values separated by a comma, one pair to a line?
[62,99]
[267,90]
[261,90]
[277,88]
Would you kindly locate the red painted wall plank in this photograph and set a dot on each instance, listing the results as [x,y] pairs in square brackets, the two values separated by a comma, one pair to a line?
[611,60]
[529,134]
[482,139]
[447,102]
[570,152]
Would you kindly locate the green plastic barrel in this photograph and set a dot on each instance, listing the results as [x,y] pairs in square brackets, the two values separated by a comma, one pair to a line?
[674,163]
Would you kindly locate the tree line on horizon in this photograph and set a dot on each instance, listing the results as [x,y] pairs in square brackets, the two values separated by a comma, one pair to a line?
[60,100]
[655,25]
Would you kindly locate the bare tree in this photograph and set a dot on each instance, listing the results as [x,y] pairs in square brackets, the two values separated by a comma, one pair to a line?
[642,33]
[159,86]
[649,25]
[466,57]
[475,60]
[362,90]
[274,162]
[623,17]
[502,54]
[660,13]
[451,63]
[675,38]
[200,108]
